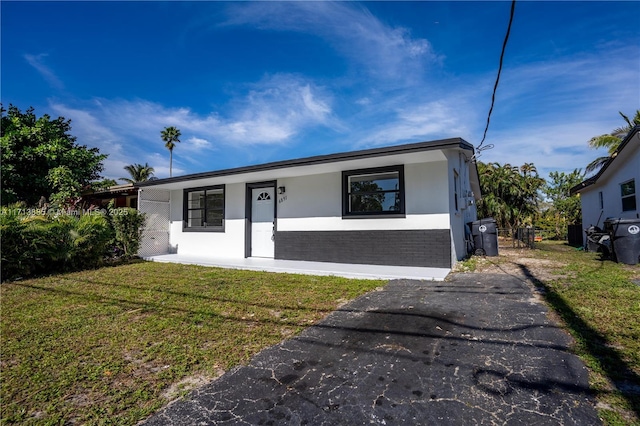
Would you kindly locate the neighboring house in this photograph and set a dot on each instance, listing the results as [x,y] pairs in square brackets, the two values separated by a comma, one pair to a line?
[404,205]
[125,195]
[613,191]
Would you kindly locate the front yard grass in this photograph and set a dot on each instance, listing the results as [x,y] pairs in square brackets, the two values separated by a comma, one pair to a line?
[113,345]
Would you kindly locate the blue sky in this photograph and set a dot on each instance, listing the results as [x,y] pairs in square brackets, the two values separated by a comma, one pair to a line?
[249,83]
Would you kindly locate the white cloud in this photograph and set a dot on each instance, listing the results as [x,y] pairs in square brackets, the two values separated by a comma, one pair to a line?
[145,120]
[546,112]
[91,132]
[163,171]
[37,62]
[317,108]
[196,144]
[415,121]
[276,109]
[273,111]
[574,89]
[94,127]
[381,51]
[557,147]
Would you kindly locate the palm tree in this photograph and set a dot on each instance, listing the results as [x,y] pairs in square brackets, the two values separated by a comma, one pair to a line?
[138,173]
[170,135]
[611,141]
[509,193]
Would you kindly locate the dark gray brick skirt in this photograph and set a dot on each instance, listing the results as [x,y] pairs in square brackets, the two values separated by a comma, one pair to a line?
[426,248]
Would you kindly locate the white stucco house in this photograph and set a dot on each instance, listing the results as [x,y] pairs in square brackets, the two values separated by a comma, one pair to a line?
[404,205]
[612,192]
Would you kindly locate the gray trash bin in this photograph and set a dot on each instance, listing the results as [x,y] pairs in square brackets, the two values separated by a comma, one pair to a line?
[625,239]
[485,236]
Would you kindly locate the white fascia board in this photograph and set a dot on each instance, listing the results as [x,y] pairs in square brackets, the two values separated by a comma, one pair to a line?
[306,170]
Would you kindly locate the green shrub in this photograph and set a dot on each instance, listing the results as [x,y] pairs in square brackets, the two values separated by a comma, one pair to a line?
[53,238]
[15,259]
[91,240]
[35,244]
[127,224]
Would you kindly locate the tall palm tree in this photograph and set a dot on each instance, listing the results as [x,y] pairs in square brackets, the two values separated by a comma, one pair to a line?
[528,169]
[611,141]
[170,135]
[138,173]
[509,193]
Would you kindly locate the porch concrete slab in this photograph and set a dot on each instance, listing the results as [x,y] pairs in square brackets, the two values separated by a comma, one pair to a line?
[373,272]
[474,350]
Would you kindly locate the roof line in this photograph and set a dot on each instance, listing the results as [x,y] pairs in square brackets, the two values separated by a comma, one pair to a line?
[593,179]
[320,159]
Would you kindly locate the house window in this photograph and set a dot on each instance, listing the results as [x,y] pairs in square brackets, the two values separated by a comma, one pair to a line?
[601,200]
[456,185]
[373,192]
[628,192]
[263,196]
[204,209]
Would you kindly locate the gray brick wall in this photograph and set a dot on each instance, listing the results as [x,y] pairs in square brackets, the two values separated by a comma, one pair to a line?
[428,248]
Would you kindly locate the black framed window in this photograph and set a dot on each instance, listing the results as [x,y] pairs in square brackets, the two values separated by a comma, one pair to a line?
[601,200]
[373,192]
[204,209]
[456,185]
[628,193]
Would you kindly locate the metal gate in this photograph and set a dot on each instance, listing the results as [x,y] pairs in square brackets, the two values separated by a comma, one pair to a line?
[516,237]
[154,204]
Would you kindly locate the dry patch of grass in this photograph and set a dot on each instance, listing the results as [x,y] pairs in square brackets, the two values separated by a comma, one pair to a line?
[115,344]
[189,383]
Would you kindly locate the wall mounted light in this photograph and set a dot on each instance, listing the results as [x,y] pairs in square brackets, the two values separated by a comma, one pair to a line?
[281,190]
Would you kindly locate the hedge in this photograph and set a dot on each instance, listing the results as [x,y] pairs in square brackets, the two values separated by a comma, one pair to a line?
[38,242]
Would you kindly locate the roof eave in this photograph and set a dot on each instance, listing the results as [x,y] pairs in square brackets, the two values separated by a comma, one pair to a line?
[593,179]
[320,159]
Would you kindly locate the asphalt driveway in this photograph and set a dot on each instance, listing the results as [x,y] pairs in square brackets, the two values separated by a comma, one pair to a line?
[478,349]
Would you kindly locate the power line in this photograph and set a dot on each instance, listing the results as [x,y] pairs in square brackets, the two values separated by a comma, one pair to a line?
[495,87]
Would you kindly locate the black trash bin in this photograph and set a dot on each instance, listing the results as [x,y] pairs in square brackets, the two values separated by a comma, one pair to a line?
[485,236]
[625,239]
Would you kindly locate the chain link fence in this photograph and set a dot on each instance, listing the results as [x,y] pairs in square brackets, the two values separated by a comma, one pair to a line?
[522,237]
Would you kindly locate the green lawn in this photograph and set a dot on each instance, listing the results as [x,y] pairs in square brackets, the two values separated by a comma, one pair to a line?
[599,304]
[111,346]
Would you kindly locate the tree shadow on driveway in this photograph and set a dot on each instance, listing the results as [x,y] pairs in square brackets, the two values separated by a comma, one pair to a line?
[621,376]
